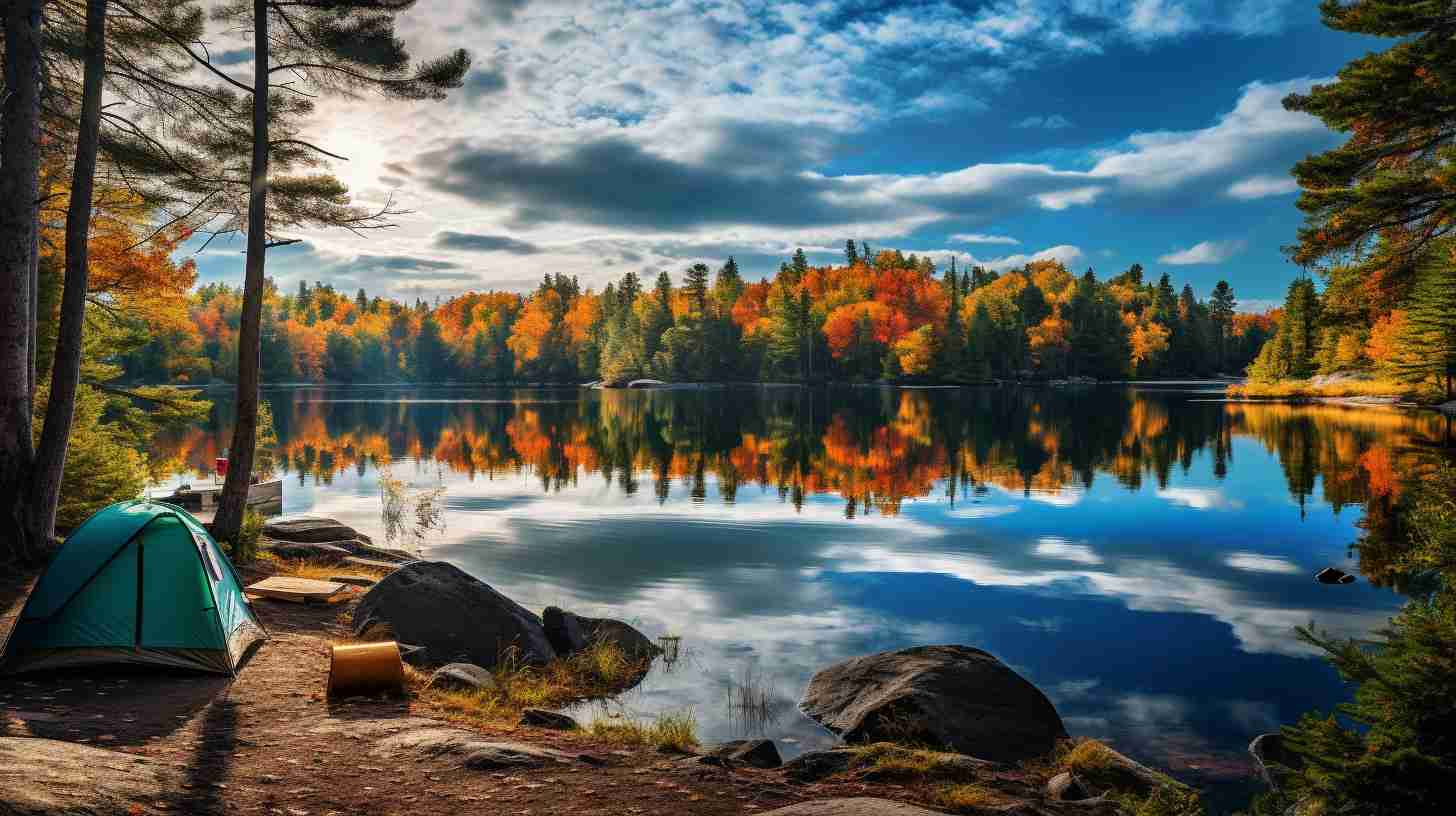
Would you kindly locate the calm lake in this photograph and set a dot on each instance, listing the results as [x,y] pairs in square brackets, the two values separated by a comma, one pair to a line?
[1141,554]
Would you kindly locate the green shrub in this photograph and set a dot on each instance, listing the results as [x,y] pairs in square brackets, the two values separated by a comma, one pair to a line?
[245,548]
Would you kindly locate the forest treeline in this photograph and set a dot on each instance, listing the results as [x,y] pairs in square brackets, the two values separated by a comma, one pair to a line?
[878,316]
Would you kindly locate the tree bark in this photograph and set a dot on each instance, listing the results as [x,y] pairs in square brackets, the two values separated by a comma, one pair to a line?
[50,460]
[233,502]
[19,194]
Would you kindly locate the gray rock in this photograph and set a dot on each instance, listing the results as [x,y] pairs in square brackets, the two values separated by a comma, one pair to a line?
[453,616]
[951,697]
[570,633]
[1447,408]
[543,718]
[311,530]
[465,676]
[859,806]
[760,753]
[813,766]
[41,777]
[307,552]
[353,580]
[1332,575]
[1064,787]
[1274,760]
[473,752]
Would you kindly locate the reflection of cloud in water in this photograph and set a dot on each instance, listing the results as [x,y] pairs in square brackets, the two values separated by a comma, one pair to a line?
[1255,562]
[1063,550]
[1198,498]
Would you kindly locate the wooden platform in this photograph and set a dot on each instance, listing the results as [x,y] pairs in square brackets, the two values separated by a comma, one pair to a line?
[299,590]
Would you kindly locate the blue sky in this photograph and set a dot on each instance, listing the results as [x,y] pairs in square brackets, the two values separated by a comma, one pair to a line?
[596,137]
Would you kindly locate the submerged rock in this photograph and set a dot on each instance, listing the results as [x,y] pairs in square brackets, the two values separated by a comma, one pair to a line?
[454,617]
[571,633]
[1330,575]
[951,697]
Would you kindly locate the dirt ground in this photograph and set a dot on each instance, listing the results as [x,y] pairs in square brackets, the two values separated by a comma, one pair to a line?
[240,754]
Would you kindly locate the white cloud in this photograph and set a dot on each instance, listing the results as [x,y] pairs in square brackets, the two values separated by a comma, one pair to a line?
[1068,255]
[1055,121]
[1262,187]
[1068,198]
[1198,498]
[1203,252]
[979,238]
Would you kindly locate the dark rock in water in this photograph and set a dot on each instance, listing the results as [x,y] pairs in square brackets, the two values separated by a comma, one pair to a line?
[1275,761]
[570,633]
[816,765]
[1330,575]
[309,552]
[311,530]
[453,616]
[760,753]
[1064,787]
[543,718]
[462,676]
[954,698]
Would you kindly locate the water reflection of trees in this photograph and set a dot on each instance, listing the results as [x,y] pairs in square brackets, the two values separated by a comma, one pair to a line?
[873,448]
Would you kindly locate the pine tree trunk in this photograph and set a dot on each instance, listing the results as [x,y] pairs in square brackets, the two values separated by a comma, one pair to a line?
[66,371]
[19,168]
[233,502]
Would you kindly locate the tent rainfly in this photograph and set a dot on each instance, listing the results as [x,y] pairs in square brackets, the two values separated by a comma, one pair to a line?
[139,582]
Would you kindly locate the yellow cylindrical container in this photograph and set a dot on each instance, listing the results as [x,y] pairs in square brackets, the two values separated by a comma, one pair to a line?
[366,668]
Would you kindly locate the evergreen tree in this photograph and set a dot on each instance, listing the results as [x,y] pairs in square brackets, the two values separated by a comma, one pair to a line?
[431,355]
[1221,308]
[1427,343]
[981,344]
[851,255]
[1392,177]
[1299,326]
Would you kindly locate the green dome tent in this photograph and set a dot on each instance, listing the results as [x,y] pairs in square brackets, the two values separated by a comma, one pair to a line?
[138,582]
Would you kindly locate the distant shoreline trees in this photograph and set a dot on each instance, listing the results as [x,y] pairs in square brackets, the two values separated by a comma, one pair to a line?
[891,317]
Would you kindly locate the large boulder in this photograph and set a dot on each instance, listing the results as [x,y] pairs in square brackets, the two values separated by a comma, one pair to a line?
[952,697]
[570,633]
[311,530]
[454,617]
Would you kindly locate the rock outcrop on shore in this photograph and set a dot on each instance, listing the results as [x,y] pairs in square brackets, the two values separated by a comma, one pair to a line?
[316,538]
[452,616]
[43,777]
[570,633]
[952,697]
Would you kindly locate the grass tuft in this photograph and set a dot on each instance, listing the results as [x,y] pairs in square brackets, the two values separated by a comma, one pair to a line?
[671,731]
[292,568]
[599,671]
[891,761]
[968,797]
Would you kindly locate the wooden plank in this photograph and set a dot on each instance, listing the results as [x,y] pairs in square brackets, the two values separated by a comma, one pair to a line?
[298,590]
